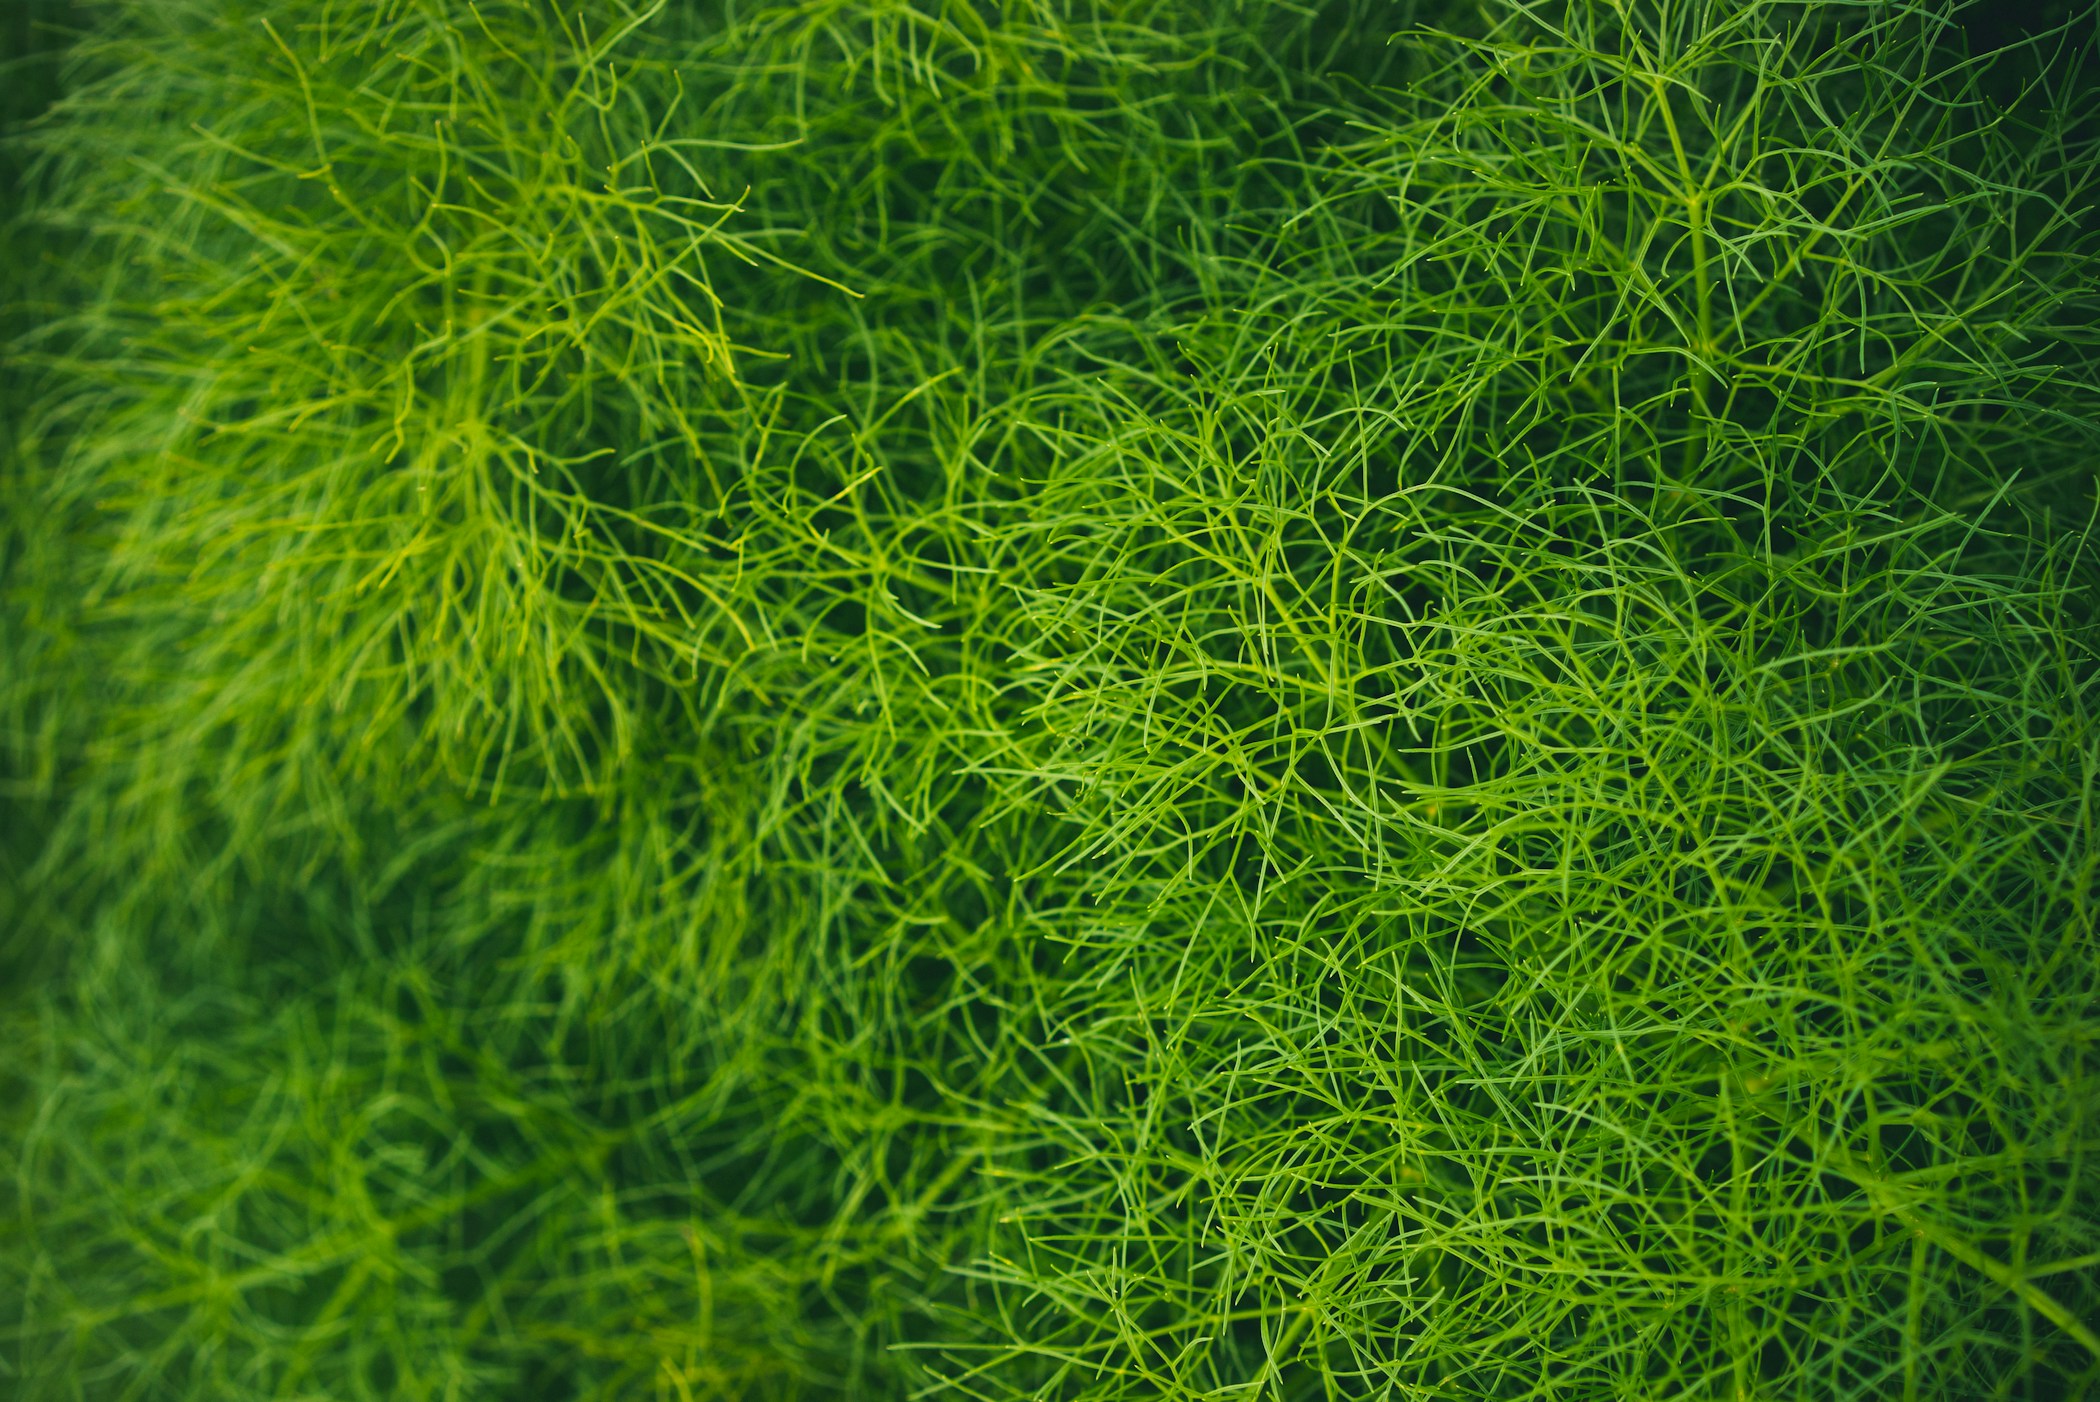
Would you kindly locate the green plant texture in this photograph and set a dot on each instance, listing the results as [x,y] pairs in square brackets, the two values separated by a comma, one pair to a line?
[1050,699]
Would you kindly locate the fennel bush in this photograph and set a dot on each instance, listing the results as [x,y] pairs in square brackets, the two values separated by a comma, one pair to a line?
[1082,699]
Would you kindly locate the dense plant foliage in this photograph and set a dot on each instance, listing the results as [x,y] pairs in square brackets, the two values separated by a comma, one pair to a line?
[1077,699]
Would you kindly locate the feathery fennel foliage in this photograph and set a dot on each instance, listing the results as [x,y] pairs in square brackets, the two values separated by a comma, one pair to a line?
[1075,699]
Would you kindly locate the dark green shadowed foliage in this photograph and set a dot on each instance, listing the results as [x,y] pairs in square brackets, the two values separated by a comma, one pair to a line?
[1069,699]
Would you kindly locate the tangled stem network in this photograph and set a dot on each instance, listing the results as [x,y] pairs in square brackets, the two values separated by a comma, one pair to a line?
[1059,699]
